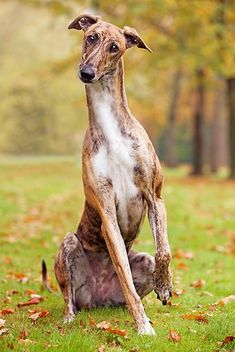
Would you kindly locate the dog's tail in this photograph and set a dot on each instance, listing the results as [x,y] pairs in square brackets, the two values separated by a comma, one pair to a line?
[45,282]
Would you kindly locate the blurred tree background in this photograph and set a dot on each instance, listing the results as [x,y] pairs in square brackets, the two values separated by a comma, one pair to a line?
[183,93]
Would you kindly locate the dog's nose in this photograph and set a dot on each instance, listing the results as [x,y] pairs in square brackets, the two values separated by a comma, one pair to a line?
[87,74]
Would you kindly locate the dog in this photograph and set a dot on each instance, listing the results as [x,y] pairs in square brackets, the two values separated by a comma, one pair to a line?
[122,181]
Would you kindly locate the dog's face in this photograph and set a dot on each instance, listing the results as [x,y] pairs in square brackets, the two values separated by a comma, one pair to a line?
[103,46]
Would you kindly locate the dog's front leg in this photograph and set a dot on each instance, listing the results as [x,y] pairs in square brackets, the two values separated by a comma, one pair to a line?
[118,254]
[162,273]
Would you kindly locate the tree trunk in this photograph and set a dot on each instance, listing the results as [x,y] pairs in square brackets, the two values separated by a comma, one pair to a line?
[219,93]
[198,124]
[231,107]
[217,125]
[171,159]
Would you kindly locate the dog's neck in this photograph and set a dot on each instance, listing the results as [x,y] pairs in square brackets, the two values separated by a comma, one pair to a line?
[107,101]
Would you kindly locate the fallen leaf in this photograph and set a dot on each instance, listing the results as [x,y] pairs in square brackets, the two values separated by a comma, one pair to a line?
[198,283]
[174,336]
[2,322]
[105,326]
[101,348]
[181,266]
[23,335]
[37,315]
[26,341]
[7,311]
[30,292]
[20,277]
[10,345]
[92,322]
[198,317]
[180,254]
[227,340]
[178,292]
[3,331]
[169,303]
[226,300]
[222,302]
[7,300]
[32,301]
[12,292]
[8,260]
[117,331]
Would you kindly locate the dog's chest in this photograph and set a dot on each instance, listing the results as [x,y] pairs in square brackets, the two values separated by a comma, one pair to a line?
[115,161]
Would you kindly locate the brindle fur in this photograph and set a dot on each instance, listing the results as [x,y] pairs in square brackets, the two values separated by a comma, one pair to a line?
[96,266]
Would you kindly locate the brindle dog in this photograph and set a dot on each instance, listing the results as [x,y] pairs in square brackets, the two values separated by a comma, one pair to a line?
[122,179]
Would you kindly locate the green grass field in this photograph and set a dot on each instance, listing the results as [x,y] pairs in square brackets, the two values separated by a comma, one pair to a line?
[42,199]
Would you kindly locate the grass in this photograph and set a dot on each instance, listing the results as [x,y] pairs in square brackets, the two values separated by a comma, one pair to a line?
[42,199]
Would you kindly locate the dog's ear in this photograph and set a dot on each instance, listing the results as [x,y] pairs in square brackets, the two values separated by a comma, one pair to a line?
[83,22]
[133,38]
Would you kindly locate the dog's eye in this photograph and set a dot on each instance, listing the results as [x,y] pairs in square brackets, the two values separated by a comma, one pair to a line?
[113,48]
[92,38]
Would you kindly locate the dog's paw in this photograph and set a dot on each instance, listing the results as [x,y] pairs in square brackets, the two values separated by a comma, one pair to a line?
[164,294]
[68,318]
[163,287]
[146,329]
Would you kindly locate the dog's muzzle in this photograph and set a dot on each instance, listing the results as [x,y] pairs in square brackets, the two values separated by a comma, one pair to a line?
[87,74]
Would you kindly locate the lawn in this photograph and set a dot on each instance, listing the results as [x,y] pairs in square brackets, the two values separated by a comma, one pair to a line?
[41,199]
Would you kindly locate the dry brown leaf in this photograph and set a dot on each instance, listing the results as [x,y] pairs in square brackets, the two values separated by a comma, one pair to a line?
[12,292]
[26,341]
[227,340]
[8,260]
[23,335]
[37,315]
[180,254]
[198,283]
[174,336]
[117,331]
[3,331]
[30,292]
[198,317]
[2,322]
[169,303]
[222,302]
[92,322]
[20,277]
[226,300]
[7,311]
[181,266]
[32,301]
[178,292]
[105,326]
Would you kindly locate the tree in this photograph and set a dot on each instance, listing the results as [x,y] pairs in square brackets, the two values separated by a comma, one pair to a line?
[170,145]
[231,104]
[198,123]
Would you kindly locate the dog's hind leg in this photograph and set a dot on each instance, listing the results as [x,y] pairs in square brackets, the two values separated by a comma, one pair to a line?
[74,276]
[142,269]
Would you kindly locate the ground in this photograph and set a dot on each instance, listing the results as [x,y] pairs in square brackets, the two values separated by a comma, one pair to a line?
[42,199]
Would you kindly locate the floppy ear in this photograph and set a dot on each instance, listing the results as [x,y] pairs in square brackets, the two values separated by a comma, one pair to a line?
[133,38]
[83,22]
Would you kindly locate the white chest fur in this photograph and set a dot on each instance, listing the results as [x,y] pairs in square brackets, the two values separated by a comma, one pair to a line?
[114,159]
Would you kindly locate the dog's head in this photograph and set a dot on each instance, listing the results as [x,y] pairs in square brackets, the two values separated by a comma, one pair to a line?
[103,46]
